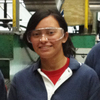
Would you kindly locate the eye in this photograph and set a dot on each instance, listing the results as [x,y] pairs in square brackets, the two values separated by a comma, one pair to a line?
[35,33]
[51,32]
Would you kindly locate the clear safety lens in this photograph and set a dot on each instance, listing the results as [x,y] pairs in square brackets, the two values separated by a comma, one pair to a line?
[49,33]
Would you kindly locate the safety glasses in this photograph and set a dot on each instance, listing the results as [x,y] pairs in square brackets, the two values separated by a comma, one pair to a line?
[48,34]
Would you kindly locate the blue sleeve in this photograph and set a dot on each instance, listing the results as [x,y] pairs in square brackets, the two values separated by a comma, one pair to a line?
[12,95]
[92,79]
[90,59]
[94,87]
[93,56]
[93,59]
[3,92]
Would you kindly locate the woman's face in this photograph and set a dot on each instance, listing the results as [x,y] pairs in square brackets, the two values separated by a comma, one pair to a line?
[44,47]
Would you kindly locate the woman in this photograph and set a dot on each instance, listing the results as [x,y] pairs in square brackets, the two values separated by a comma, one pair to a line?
[56,75]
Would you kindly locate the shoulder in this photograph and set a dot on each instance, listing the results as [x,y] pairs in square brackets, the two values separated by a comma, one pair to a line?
[87,74]
[3,92]
[83,74]
[93,55]
[94,52]
[90,79]
[95,48]
[81,68]
[22,72]
[0,73]
[26,73]
[90,76]
[77,66]
[1,76]
[87,70]
[1,79]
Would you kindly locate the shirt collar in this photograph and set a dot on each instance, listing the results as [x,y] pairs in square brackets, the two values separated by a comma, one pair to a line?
[73,64]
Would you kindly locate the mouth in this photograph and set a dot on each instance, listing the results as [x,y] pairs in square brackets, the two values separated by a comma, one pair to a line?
[45,47]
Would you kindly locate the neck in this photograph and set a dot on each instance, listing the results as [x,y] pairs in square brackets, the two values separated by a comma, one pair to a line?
[54,63]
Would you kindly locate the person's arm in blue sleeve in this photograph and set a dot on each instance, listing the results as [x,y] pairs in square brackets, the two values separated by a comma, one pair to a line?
[3,91]
[12,95]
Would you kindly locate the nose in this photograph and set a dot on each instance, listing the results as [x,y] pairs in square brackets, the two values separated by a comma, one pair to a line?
[43,38]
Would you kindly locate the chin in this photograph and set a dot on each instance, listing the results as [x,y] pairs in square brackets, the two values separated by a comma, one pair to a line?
[45,56]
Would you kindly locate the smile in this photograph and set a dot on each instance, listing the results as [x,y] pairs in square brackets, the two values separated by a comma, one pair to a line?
[45,47]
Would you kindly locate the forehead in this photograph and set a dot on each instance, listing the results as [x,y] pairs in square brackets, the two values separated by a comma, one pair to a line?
[49,21]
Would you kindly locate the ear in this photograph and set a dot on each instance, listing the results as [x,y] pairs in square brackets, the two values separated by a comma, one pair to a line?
[66,35]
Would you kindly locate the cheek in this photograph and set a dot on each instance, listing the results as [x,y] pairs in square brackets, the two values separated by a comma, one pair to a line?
[35,45]
[58,45]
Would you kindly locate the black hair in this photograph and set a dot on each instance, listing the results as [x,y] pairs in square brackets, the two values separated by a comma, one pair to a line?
[68,47]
